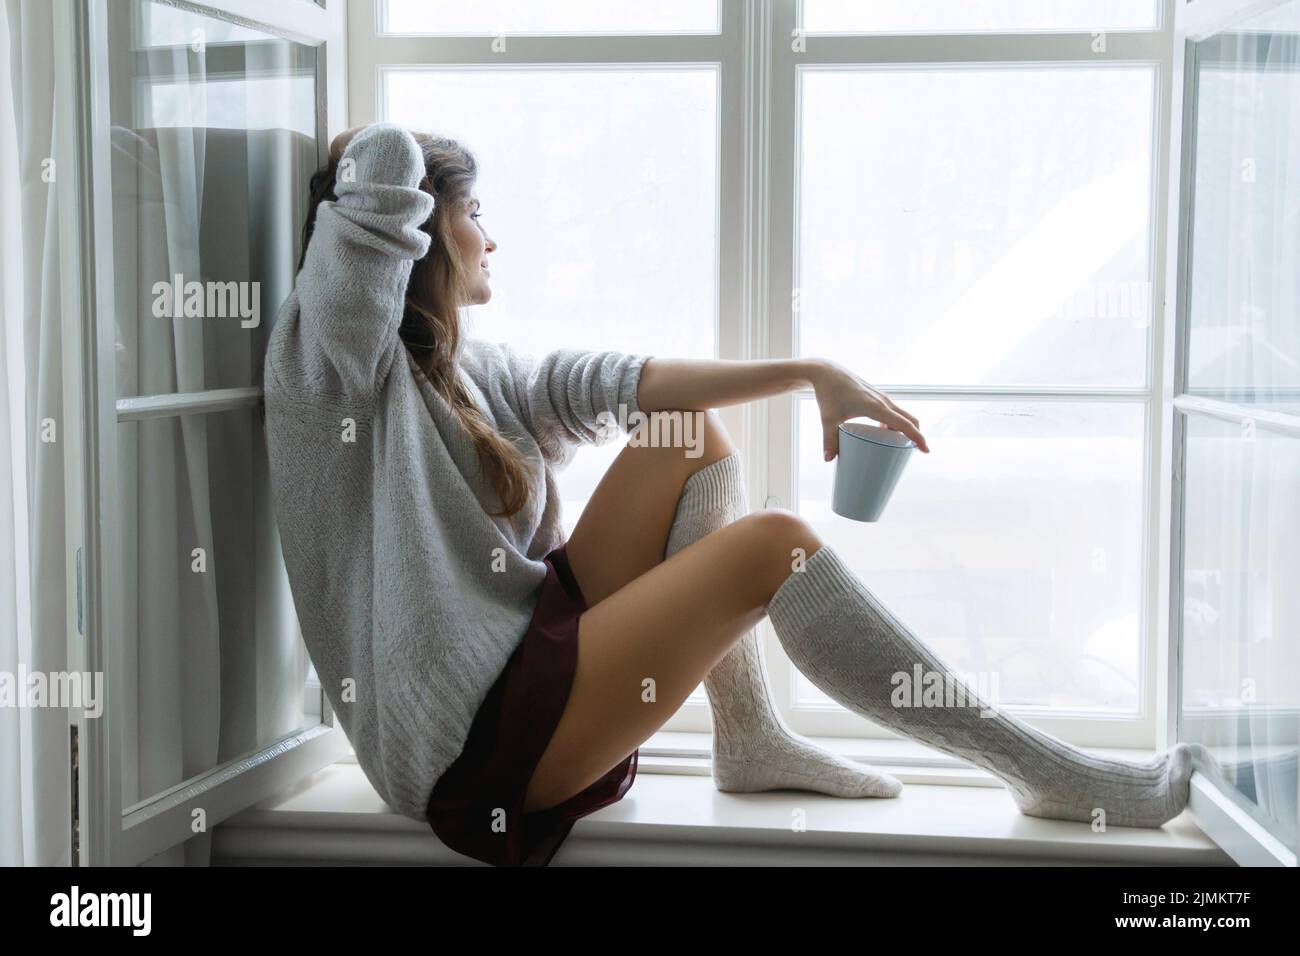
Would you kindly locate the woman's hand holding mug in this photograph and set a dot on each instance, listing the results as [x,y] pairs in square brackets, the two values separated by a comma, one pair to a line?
[842,395]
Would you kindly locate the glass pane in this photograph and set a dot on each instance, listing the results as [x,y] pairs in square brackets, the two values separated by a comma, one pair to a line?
[1244,321]
[1241,610]
[1013,549]
[492,17]
[977,226]
[161,25]
[596,185]
[977,16]
[214,664]
[213,143]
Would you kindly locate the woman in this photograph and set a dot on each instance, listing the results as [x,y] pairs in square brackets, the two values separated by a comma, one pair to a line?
[497,681]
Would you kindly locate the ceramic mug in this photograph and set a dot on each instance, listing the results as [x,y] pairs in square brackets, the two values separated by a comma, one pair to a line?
[867,468]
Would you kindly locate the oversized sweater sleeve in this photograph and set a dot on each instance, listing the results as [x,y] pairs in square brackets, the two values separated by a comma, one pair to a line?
[571,396]
[352,287]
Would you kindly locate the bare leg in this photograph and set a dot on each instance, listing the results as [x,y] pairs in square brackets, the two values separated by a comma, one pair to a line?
[644,648]
[621,535]
[624,528]
[653,493]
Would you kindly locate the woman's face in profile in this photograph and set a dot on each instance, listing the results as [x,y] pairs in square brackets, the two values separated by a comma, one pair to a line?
[475,244]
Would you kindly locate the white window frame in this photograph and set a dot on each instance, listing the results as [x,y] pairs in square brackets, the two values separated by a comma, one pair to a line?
[110,833]
[1219,813]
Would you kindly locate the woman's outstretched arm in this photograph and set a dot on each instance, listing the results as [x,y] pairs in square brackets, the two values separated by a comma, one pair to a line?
[672,383]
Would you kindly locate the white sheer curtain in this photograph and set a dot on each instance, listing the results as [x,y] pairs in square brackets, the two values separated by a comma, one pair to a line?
[209,183]
[214,663]
[34,749]
[173,659]
[208,688]
[1242,485]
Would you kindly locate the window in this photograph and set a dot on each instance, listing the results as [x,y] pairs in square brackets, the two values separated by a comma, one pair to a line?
[204,586]
[986,231]
[605,135]
[963,202]
[595,182]
[972,205]
[1236,534]
[204,126]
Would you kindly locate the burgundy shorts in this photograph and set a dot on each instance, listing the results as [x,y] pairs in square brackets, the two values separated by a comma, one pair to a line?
[508,736]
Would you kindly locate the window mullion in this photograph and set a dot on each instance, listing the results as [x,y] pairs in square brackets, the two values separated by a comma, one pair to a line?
[777,314]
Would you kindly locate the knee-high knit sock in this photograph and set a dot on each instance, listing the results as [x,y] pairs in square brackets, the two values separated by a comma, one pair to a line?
[753,749]
[847,643]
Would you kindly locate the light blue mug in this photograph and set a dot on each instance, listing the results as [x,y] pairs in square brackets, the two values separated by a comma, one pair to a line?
[868,466]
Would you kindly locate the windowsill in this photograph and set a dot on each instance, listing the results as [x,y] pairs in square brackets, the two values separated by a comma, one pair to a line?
[674,815]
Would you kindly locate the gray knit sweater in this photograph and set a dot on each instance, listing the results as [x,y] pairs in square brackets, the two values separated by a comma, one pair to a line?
[410,597]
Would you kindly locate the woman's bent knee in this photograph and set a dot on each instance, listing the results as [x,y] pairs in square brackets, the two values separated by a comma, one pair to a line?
[780,524]
[778,541]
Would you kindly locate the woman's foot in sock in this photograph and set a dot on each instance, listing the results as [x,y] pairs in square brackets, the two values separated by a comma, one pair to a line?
[754,749]
[1138,795]
[790,762]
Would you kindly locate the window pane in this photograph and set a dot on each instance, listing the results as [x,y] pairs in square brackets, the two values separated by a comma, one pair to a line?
[213,145]
[1013,549]
[1241,610]
[214,663]
[160,25]
[977,226]
[491,17]
[600,188]
[976,16]
[1245,287]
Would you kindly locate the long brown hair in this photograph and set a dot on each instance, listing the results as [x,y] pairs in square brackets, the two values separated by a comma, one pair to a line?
[431,320]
